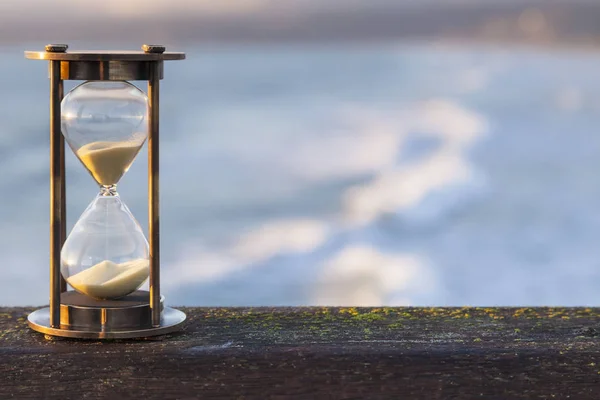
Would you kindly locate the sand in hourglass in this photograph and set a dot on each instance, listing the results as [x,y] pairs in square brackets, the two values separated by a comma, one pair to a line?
[107,280]
[108,161]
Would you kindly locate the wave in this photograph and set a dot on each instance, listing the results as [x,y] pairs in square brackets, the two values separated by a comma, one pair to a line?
[363,143]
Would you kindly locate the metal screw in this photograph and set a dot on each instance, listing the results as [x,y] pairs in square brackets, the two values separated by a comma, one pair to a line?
[153,48]
[57,48]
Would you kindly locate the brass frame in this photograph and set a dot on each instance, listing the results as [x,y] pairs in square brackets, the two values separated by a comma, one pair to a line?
[101,65]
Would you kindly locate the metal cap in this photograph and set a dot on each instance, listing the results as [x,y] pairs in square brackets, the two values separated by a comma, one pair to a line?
[56,48]
[153,48]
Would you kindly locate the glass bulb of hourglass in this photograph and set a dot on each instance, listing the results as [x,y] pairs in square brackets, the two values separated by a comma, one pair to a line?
[105,124]
[106,255]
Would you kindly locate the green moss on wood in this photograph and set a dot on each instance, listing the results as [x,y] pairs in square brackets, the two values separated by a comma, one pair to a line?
[404,325]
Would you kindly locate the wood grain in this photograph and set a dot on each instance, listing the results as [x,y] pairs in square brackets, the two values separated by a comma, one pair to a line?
[313,353]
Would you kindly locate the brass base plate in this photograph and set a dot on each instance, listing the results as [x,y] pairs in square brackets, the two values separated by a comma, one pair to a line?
[171,320]
[78,311]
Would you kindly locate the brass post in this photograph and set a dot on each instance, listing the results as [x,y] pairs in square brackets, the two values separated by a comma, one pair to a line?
[57,189]
[153,182]
[63,189]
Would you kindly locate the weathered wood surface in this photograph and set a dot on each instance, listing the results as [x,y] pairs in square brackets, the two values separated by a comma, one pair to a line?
[311,353]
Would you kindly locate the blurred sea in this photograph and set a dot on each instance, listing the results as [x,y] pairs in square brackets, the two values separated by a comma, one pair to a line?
[374,175]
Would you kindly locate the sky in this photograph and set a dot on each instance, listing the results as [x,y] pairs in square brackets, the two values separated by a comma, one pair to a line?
[177,21]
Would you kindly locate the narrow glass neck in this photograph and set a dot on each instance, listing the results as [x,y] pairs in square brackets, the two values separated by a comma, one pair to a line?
[108,190]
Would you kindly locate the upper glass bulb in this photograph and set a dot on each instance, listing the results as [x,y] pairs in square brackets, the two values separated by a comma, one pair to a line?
[105,124]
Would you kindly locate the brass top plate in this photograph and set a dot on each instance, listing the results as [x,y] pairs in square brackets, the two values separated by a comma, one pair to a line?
[93,55]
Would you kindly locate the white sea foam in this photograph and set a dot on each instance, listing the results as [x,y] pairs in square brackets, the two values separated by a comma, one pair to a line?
[457,125]
[290,236]
[361,275]
[199,263]
[404,188]
[361,148]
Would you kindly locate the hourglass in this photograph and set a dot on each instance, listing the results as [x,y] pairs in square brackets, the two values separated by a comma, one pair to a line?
[105,258]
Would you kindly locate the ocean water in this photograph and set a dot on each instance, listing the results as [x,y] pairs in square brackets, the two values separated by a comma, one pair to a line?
[379,175]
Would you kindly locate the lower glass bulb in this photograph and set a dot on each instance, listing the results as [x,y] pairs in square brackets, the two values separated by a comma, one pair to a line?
[106,255]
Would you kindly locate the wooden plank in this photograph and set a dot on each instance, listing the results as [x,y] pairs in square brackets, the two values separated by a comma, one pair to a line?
[421,353]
